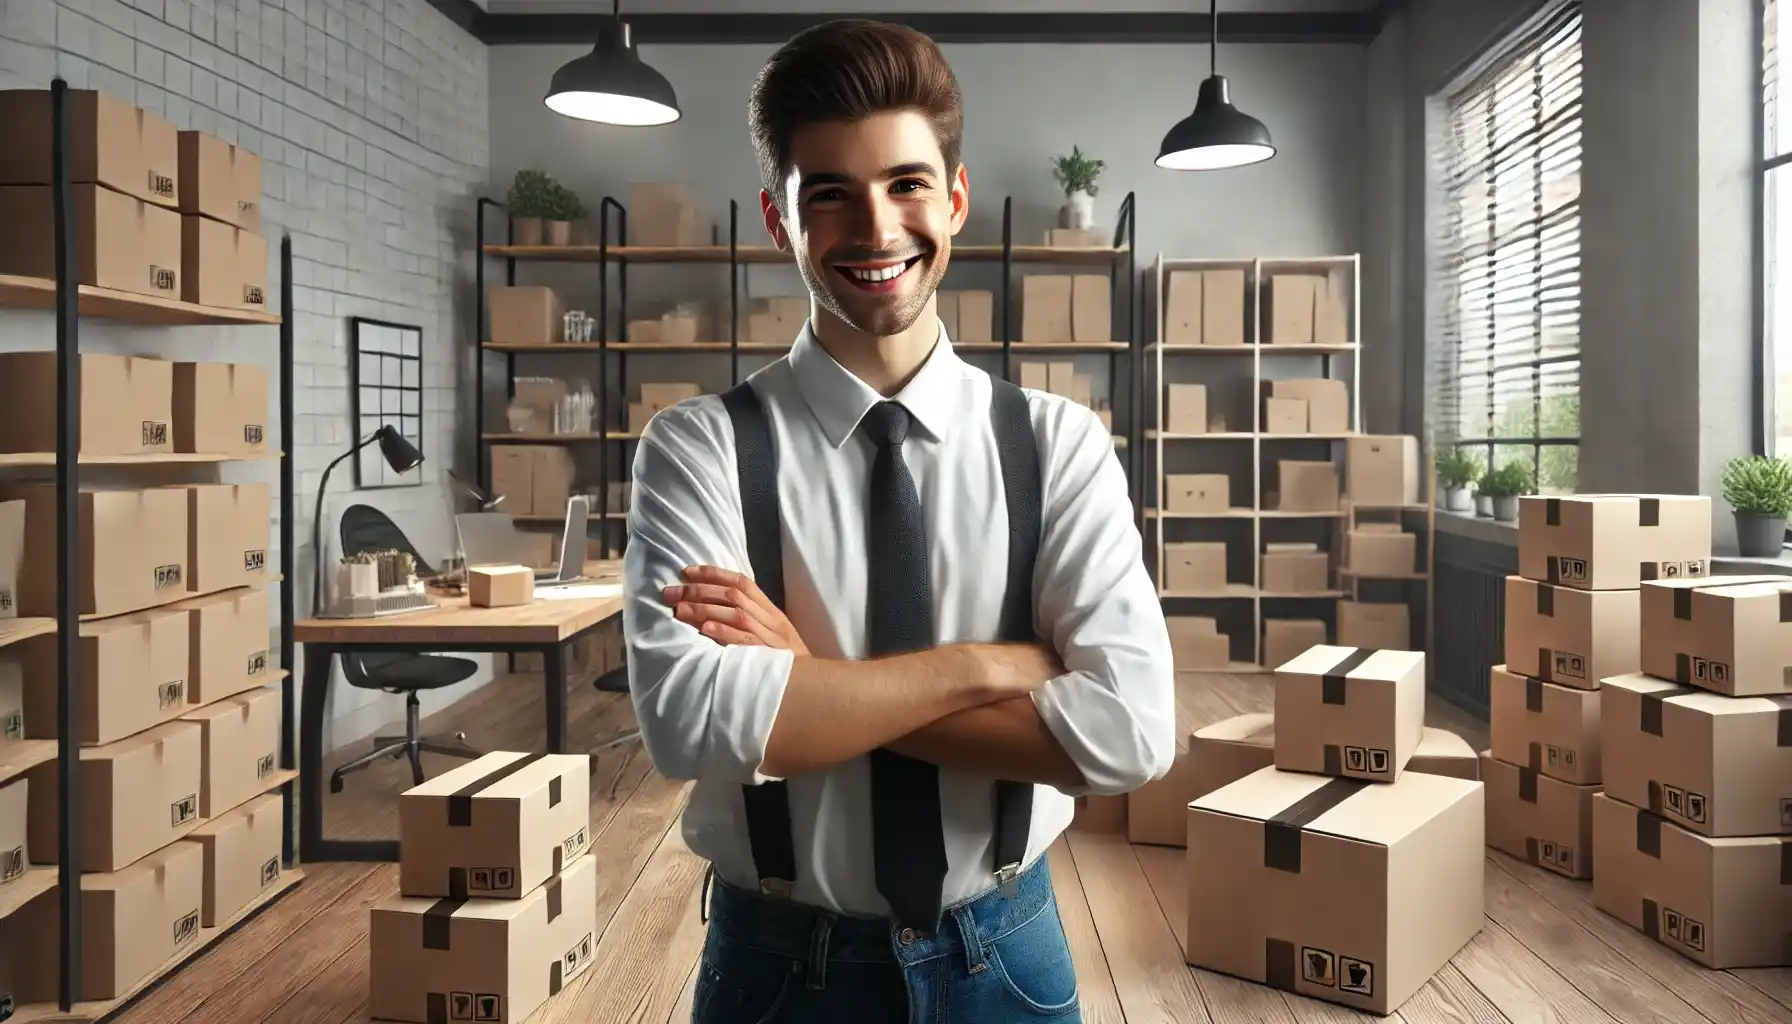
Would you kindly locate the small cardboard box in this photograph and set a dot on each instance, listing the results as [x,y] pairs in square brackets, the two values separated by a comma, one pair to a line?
[1307,486]
[500,586]
[1331,312]
[1287,639]
[12,556]
[1099,814]
[1182,308]
[1613,541]
[1294,568]
[1375,552]
[1567,636]
[219,180]
[1222,307]
[1382,471]
[1197,492]
[1291,301]
[534,479]
[1035,374]
[220,408]
[1538,819]
[112,143]
[239,748]
[1719,902]
[134,676]
[1228,750]
[121,242]
[664,213]
[525,315]
[498,826]
[1378,625]
[1194,566]
[1045,310]
[1074,238]
[1332,888]
[482,960]
[666,394]
[133,549]
[1715,765]
[1328,402]
[227,535]
[14,829]
[1196,643]
[137,795]
[1284,415]
[223,265]
[1552,729]
[126,404]
[227,643]
[1350,712]
[1091,308]
[242,857]
[1060,377]
[777,319]
[1726,634]
[976,316]
[1185,408]
[1157,812]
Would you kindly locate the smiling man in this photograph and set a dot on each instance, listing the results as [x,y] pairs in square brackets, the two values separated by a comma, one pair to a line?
[888,611]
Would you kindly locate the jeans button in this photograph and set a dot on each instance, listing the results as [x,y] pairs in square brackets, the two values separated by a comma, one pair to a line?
[907,936]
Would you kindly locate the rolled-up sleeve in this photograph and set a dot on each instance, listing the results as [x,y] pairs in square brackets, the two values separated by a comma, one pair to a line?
[705,709]
[1114,711]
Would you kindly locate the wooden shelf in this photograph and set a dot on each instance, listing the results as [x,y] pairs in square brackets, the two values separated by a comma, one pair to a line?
[1382,575]
[14,630]
[38,880]
[1231,591]
[272,578]
[21,756]
[16,459]
[1154,434]
[1315,595]
[83,1013]
[760,254]
[756,347]
[1245,350]
[111,304]
[1239,513]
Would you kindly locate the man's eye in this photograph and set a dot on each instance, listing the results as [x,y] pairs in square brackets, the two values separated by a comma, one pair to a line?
[908,186]
[827,195]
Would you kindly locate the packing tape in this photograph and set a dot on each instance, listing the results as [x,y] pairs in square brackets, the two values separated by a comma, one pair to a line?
[1649,712]
[1546,600]
[460,802]
[1552,514]
[1536,758]
[552,886]
[1527,785]
[1332,685]
[1648,512]
[1533,695]
[1282,831]
[1786,606]
[1786,861]
[1278,964]
[1683,603]
[438,923]
[1651,919]
[1784,733]
[1648,830]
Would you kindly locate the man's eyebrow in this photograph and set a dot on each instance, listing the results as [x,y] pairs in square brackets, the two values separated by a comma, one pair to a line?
[809,181]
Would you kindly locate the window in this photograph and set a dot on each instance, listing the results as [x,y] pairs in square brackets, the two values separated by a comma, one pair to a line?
[1506,257]
[1776,248]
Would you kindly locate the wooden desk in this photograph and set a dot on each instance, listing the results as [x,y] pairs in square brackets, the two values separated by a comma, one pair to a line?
[545,626]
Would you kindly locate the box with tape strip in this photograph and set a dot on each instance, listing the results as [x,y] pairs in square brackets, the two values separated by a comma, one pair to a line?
[1549,728]
[482,960]
[1226,751]
[497,826]
[1613,541]
[1715,765]
[1571,637]
[1726,634]
[1723,903]
[1338,889]
[1538,819]
[1350,711]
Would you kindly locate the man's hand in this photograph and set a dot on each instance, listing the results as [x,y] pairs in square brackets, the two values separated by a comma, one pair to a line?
[730,609]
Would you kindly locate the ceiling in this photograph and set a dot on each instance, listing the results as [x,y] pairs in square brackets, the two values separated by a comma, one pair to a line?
[922,6]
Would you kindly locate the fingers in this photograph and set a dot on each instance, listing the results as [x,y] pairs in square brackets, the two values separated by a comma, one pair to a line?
[715,594]
[729,618]
[729,636]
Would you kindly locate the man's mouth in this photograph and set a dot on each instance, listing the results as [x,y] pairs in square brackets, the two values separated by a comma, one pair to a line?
[881,277]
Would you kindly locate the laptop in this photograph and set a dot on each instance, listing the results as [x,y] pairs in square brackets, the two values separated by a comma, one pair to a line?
[492,538]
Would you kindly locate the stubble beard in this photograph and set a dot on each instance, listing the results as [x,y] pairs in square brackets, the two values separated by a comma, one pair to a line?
[869,314]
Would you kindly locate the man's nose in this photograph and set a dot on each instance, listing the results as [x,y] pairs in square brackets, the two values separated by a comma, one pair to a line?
[880,222]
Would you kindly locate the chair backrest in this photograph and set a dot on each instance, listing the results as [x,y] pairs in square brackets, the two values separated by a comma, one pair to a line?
[365,528]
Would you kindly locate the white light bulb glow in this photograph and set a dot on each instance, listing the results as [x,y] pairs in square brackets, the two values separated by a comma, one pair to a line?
[612,108]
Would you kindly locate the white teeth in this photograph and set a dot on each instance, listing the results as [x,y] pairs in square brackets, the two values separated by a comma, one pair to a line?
[873,276]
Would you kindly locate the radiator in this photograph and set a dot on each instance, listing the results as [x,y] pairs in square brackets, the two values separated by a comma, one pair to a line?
[1469,600]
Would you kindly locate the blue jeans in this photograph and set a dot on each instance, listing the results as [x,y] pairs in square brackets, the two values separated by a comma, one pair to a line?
[994,960]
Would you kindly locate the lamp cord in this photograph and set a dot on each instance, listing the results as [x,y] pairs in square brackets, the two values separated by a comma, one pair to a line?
[1213,39]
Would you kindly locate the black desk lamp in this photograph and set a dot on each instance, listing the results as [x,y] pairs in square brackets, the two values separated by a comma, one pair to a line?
[400,454]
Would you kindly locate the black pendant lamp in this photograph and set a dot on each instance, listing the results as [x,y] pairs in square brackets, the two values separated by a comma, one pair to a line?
[611,84]
[1217,135]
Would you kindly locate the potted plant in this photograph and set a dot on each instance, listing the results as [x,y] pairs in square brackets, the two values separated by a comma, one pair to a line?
[1457,469]
[531,201]
[1483,497]
[1759,490]
[1503,487]
[563,210]
[1077,175]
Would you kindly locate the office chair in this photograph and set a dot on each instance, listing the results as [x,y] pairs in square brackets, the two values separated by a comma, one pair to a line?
[616,681]
[368,529]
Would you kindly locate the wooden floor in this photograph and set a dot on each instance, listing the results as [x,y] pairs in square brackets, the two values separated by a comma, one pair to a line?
[1545,955]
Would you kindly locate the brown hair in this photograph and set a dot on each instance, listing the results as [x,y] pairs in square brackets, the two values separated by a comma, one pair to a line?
[847,70]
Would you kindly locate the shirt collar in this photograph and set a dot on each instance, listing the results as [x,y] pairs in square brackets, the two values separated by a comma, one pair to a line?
[933,396]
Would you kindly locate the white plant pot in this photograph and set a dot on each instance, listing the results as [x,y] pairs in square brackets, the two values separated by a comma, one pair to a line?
[1078,213]
[1483,506]
[356,580]
[1459,499]
[1505,508]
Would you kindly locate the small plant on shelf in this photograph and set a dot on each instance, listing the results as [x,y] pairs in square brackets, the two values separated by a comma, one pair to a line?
[1457,469]
[1504,486]
[1077,175]
[1759,490]
[531,201]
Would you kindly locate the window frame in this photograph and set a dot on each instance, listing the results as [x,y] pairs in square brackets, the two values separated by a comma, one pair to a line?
[1766,374]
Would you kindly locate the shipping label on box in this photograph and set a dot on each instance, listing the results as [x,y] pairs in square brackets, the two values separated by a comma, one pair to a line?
[1378,625]
[12,699]
[1382,470]
[1197,492]
[1350,712]
[1571,637]
[1222,307]
[1726,634]
[1336,889]
[242,857]
[1613,541]
[1549,728]
[137,795]
[1286,639]
[1538,819]
[495,827]
[1182,308]
[240,748]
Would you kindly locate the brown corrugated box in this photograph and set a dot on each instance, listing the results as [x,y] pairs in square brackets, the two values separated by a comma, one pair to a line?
[12,556]
[227,535]
[1552,729]
[1185,408]
[1074,238]
[113,143]
[1382,470]
[1327,402]
[222,265]
[15,819]
[1567,636]
[1099,814]
[482,959]
[1222,307]
[1719,902]
[531,408]
[1382,549]
[1613,541]
[1227,751]
[1306,486]
[1196,643]
[1286,639]
[1291,300]
[133,549]
[1284,416]
[134,676]
[664,213]
[778,319]
[1357,894]
[1197,492]
[228,644]
[1294,568]
[121,242]
[239,748]
[1157,812]
[1538,819]
[525,315]
[126,404]
[1727,634]
[1194,566]
[1331,311]
[1182,308]
[976,316]
[1378,625]
[220,408]
[500,586]
[1350,712]
[1091,308]
[1045,307]
[137,795]
[242,857]
[219,180]
[497,827]
[534,479]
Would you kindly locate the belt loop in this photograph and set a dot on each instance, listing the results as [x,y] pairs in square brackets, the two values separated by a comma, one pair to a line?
[818,952]
[703,895]
[971,937]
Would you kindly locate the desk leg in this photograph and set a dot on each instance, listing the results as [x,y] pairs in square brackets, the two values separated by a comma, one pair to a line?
[312,697]
[554,679]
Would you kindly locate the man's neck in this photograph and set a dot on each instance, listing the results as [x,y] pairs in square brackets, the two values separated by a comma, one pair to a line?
[885,364]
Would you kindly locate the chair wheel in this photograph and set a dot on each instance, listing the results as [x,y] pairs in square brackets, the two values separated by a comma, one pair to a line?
[460,737]
[335,783]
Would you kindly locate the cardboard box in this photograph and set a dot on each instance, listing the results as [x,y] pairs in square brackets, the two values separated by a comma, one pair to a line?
[121,243]
[1382,553]
[1382,470]
[945,307]
[242,858]
[500,586]
[133,549]
[1350,712]
[1538,819]
[1287,639]
[1291,300]
[219,180]
[534,479]
[1295,569]
[531,408]
[976,316]
[134,676]
[1034,374]
[1327,402]
[1613,541]
[1715,765]
[1726,634]
[112,143]
[1551,729]
[498,826]
[227,535]
[664,213]
[1330,888]
[220,408]
[1074,238]
[13,712]
[1185,408]
[1060,377]
[1082,391]
[1227,751]
[1182,308]
[1307,486]
[1091,308]
[228,644]
[1194,566]
[1045,310]
[1284,415]
[1222,307]
[1331,311]
[137,795]
[12,556]
[492,960]
[525,315]
[1571,637]
[1718,902]
[239,748]
[778,319]
[14,828]
[222,265]
[1379,625]
[666,394]
[1197,644]
[126,404]
[1099,814]
[1157,812]
[1197,492]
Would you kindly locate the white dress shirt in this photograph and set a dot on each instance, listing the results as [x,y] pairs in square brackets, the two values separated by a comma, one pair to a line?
[706,710]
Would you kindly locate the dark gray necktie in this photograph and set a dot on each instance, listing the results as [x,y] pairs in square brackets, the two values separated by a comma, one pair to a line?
[908,836]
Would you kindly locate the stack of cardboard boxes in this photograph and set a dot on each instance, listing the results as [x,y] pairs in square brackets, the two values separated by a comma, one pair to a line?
[1340,872]
[158,211]
[1059,308]
[1306,309]
[497,905]
[1059,377]
[968,316]
[1381,472]
[1572,619]
[1205,307]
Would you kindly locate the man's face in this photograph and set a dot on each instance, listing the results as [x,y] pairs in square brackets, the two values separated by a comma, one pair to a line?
[871,215]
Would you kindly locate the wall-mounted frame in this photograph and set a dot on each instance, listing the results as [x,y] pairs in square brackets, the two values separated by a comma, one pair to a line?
[386,385]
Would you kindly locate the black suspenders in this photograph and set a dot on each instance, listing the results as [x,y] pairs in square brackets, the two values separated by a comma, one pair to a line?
[756,466]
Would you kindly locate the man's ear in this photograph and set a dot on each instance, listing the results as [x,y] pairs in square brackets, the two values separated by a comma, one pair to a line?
[961,198]
[774,221]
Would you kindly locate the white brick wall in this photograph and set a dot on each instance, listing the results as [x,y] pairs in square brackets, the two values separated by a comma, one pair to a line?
[370,117]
